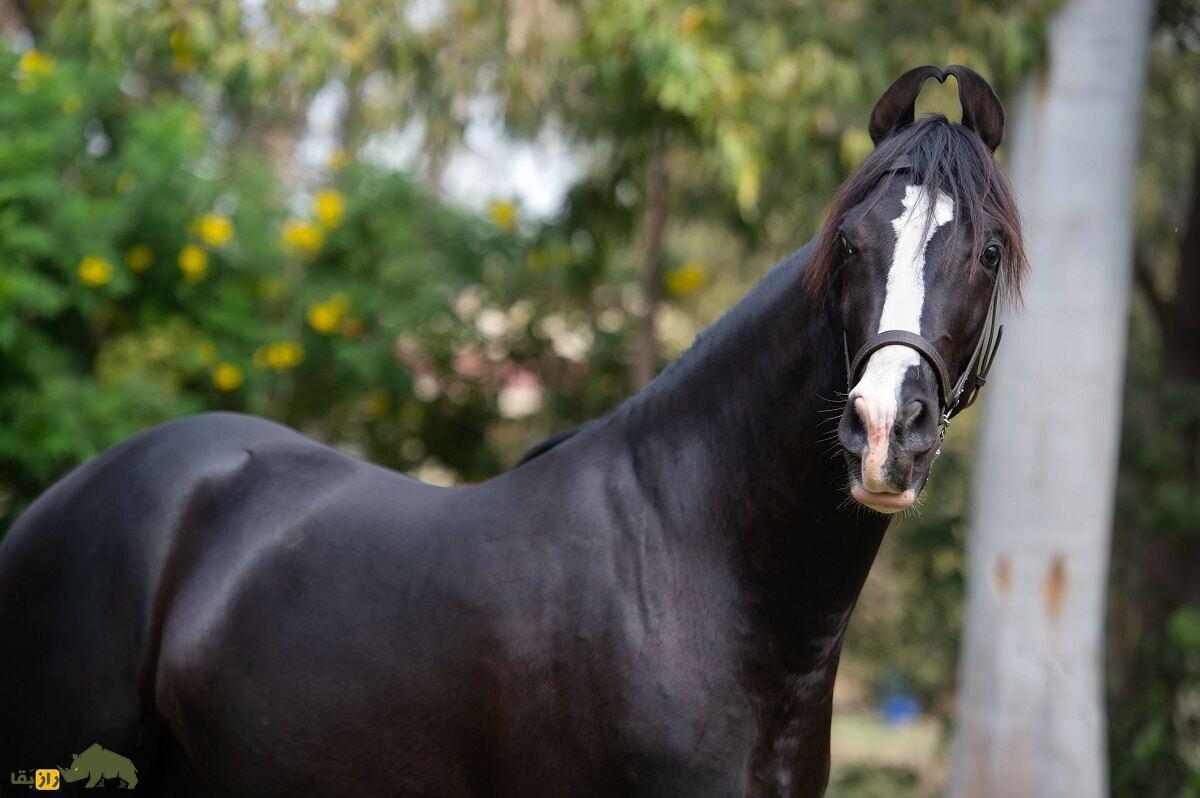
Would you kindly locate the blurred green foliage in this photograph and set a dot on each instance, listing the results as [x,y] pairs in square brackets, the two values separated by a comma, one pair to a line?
[1154,598]
[150,272]
[875,782]
[138,123]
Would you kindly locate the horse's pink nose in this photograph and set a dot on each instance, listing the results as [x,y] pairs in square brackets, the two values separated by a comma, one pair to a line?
[878,419]
[888,439]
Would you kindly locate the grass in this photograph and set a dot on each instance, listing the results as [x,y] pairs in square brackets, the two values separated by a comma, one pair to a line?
[872,759]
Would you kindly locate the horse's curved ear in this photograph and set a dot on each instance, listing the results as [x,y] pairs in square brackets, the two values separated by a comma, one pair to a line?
[896,109]
[982,111]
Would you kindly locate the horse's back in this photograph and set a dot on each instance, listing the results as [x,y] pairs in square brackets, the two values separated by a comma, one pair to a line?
[221,595]
[161,525]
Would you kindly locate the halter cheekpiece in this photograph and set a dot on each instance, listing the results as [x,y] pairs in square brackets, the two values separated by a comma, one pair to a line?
[953,398]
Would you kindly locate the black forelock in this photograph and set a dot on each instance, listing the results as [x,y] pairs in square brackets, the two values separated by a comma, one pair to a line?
[942,156]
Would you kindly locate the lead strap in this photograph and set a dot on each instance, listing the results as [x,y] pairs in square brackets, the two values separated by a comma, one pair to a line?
[980,364]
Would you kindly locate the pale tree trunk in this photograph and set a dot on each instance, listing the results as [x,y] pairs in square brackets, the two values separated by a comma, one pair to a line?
[1031,719]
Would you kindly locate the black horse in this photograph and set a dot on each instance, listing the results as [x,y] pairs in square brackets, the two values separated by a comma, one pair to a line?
[653,606]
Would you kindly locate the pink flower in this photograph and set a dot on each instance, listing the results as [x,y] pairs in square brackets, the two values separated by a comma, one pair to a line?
[521,396]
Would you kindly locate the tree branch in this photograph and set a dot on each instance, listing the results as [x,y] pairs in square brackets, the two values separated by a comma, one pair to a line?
[645,362]
[1141,272]
[22,13]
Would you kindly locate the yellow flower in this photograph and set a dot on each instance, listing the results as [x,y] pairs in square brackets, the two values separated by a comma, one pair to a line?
[206,353]
[72,105]
[279,356]
[328,206]
[182,57]
[337,159]
[326,317]
[124,183]
[503,214]
[213,229]
[286,355]
[94,271]
[691,18]
[178,40]
[36,63]
[193,262]
[305,237]
[686,279]
[352,53]
[376,404]
[539,259]
[139,258]
[183,62]
[323,318]
[227,377]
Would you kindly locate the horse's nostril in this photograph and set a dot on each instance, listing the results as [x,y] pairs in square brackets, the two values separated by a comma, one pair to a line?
[912,427]
[912,413]
[852,431]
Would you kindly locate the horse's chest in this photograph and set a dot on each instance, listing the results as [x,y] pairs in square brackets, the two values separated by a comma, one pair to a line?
[686,730]
[692,708]
[685,694]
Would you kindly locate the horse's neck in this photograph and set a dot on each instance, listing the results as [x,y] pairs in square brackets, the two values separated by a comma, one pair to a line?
[733,443]
[730,448]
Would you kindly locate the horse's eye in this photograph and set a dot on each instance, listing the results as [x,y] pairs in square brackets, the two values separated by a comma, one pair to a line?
[847,250]
[991,255]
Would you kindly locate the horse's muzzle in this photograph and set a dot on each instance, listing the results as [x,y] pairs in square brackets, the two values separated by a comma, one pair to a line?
[889,444]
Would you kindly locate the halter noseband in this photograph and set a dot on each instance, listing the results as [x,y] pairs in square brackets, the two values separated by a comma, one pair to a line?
[963,393]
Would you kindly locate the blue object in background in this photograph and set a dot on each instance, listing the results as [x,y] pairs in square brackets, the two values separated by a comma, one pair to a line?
[899,709]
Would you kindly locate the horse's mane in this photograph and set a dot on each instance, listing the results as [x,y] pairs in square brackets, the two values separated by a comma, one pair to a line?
[549,443]
[942,156]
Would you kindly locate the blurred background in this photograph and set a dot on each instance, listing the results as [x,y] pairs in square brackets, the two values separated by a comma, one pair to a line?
[431,233]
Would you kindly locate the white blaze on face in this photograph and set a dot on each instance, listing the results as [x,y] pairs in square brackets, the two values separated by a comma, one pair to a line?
[876,397]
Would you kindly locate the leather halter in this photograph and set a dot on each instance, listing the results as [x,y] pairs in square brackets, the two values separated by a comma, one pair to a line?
[963,393]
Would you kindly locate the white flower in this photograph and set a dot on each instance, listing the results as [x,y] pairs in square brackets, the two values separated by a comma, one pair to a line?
[521,395]
[610,320]
[552,325]
[427,388]
[434,472]
[491,323]
[520,313]
[468,302]
[572,344]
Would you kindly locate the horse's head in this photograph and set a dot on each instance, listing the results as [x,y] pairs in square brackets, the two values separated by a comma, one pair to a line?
[919,244]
